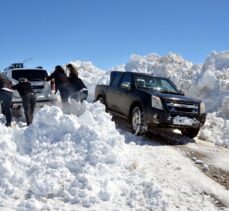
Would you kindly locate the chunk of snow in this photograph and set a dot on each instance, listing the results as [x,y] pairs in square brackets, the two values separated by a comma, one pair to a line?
[180,120]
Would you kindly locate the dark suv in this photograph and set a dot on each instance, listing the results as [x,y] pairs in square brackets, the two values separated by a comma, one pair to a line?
[147,101]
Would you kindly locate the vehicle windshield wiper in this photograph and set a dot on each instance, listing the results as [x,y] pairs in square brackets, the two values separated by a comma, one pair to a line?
[162,90]
[141,87]
[37,79]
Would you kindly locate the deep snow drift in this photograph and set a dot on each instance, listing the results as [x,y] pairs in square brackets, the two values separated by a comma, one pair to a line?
[81,162]
[68,160]
[208,82]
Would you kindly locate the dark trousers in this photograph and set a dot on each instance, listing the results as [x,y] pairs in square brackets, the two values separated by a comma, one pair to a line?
[29,103]
[6,99]
[64,90]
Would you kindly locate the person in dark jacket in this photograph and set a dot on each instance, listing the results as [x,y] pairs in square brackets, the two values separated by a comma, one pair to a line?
[6,94]
[28,96]
[61,83]
[79,91]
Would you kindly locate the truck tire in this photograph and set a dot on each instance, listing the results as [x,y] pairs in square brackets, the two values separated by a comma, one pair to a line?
[190,132]
[101,99]
[137,123]
[2,109]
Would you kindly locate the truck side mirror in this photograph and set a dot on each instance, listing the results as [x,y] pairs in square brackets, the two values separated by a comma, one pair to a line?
[182,92]
[126,85]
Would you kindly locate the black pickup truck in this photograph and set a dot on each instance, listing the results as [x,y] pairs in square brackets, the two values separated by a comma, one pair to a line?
[147,101]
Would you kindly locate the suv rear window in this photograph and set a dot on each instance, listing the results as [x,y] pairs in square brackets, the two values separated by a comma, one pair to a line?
[30,74]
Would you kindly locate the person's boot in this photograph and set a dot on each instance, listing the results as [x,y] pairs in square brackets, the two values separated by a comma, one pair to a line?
[8,124]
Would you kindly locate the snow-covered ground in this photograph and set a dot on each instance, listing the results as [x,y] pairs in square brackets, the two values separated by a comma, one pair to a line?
[80,161]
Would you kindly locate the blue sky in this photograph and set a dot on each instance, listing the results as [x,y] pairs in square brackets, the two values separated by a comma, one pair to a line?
[107,32]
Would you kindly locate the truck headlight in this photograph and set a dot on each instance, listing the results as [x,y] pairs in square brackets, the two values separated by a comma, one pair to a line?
[156,102]
[202,108]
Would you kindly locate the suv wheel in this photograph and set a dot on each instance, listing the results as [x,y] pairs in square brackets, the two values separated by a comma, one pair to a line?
[190,132]
[137,123]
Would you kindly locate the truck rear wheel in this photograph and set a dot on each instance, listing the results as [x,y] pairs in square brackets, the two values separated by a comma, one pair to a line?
[137,123]
[190,132]
[101,99]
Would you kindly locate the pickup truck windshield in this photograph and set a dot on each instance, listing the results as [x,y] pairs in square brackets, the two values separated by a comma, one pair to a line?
[159,84]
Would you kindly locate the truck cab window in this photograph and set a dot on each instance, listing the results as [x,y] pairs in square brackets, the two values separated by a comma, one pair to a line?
[116,80]
[127,78]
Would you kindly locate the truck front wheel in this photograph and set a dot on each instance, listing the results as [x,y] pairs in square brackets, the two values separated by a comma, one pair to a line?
[190,132]
[137,123]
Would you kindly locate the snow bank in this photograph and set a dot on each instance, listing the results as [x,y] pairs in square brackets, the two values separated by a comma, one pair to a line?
[68,162]
[179,120]
[216,130]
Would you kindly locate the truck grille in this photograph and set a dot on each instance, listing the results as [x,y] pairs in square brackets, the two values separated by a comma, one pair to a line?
[182,107]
